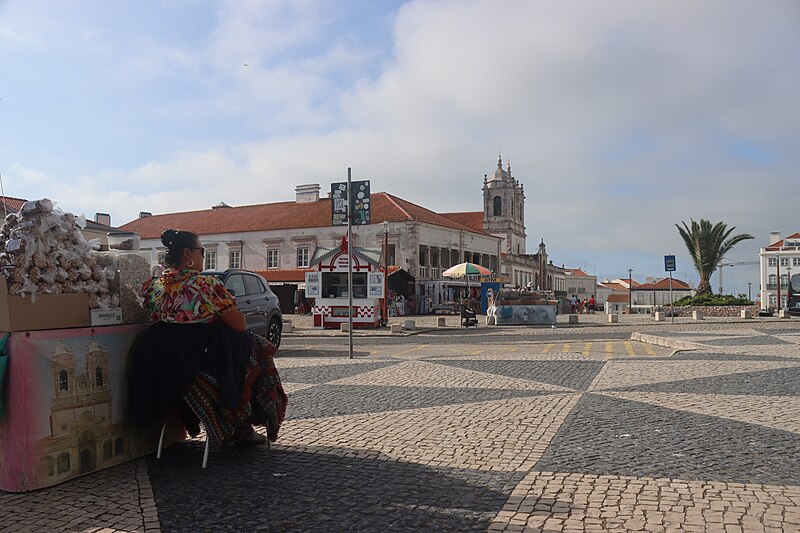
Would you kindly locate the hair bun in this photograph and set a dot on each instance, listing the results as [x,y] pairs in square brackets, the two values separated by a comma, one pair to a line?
[168,237]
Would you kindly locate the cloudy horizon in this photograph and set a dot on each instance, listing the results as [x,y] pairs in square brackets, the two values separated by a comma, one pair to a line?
[621,118]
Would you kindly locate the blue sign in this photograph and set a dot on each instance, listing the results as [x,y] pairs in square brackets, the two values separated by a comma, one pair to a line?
[669,263]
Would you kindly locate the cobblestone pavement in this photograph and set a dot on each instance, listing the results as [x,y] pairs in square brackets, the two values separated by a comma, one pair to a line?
[574,433]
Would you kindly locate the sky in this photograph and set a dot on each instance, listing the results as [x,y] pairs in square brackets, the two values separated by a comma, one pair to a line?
[621,118]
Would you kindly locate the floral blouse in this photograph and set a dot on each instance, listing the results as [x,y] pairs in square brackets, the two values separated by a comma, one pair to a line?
[185,297]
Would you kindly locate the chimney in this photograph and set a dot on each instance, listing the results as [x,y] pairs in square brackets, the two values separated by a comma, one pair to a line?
[305,194]
[103,218]
[145,214]
[774,236]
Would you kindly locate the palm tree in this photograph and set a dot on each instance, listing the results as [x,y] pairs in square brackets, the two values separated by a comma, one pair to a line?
[707,246]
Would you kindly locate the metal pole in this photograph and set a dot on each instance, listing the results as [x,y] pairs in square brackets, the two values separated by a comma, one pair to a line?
[748,291]
[630,291]
[778,269]
[349,264]
[671,309]
[386,273]
[3,192]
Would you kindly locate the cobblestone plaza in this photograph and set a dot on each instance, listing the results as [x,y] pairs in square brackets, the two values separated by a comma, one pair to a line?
[573,429]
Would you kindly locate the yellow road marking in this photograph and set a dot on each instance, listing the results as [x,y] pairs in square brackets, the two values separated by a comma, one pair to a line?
[629,348]
[609,355]
[404,352]
[548,348]
[566,347]
[587,347]
[650,350]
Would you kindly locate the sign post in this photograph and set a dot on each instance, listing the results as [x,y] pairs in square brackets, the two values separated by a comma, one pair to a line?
[349,206]
[669,266]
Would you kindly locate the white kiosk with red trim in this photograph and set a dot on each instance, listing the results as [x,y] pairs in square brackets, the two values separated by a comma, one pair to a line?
[328,286]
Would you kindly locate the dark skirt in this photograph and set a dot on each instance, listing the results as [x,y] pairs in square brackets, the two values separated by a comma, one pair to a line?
[225,379]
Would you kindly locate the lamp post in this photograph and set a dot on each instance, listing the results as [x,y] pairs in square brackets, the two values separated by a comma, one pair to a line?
[778,271]
[630,291]
[748,291]
[385,272]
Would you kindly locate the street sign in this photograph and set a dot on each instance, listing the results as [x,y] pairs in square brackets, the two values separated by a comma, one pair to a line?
[669,263]
[359,203]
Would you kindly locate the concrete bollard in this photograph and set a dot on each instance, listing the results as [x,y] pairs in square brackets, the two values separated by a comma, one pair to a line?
[287,326]
[659,316]
[410,325]
[396,328]
[697,315]
[441,322]
[344,326]
[573,319]
[783,313]
[746,313]
[613,318]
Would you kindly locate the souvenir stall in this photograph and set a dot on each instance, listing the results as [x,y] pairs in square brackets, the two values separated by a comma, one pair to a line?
[328,287]
[68,316]
[521,307]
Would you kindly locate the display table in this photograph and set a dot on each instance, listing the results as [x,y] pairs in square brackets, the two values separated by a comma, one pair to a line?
[66,409]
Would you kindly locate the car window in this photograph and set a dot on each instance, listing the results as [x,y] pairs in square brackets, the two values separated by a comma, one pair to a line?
[235,283]
[253,285]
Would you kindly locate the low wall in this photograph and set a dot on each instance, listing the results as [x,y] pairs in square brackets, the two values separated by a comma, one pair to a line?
[714,310]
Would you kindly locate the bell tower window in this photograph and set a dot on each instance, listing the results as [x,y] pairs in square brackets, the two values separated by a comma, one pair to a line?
[498,206]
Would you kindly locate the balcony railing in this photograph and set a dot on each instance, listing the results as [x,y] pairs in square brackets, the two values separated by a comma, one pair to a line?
[423,272]
[772,286]
[434,273]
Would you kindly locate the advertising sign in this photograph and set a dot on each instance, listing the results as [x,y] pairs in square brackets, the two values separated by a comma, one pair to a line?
[359,203]
[313,284]
[375,284]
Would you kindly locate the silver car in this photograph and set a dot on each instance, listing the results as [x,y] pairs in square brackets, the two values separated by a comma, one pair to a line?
[256,300]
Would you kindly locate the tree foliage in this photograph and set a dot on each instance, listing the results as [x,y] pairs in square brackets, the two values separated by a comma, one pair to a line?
[707,245]
[713,299]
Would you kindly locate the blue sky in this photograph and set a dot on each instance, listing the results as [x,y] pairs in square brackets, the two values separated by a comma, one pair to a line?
[621,117]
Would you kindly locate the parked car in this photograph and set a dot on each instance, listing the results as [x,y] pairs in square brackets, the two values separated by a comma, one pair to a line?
[256,300]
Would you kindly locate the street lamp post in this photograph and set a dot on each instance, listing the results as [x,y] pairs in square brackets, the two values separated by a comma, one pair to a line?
[385,272]
[748,291]
[778,271]
[630,291]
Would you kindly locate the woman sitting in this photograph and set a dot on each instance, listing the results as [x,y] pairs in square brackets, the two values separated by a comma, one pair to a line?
[199,359]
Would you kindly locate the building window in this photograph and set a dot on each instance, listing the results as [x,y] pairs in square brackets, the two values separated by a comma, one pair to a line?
[784,261]
[235,259]
[773,262]
[108,450]
[795,261]
[497,206]
[784,281]
[773,300]
[772,282]
[211,260]
[63,463]
[390,258]
[272,258]
[63,381]
[302,257]
[161,258]
[98,376]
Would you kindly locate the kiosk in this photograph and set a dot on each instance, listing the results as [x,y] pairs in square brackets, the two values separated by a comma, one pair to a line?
[328,286]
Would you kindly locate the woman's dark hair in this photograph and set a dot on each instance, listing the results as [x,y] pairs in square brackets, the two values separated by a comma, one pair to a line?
[176,241]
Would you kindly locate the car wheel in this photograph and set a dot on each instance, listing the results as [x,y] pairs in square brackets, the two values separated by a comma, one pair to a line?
[274,333]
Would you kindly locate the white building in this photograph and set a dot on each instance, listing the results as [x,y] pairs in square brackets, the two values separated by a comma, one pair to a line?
[778,260]
[581,284]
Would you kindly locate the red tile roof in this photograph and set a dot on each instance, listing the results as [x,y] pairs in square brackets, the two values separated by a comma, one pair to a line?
[777,245]
[613,286]
[284,215]
[575,272]
[13,204]
[274,276]
[618,298]
[472,219]
[663,285]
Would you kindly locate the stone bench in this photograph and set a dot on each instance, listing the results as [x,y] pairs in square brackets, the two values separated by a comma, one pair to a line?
[613,318]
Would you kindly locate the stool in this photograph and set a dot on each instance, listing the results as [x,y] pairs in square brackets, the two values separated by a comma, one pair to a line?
[161,443]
